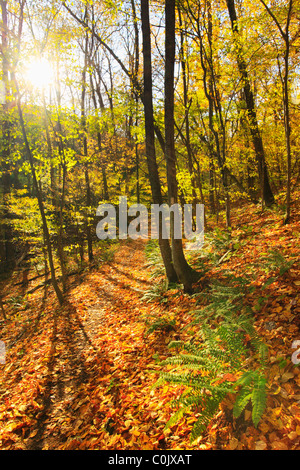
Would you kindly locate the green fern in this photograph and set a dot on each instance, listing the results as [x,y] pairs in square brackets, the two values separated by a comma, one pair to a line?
[253,388]
[258,398]
[275,260]
[208,364]
[201,368]
[156,292]
[244,395]
[161,323]
[154,259]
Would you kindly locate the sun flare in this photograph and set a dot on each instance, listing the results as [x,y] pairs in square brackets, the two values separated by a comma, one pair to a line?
[39,73]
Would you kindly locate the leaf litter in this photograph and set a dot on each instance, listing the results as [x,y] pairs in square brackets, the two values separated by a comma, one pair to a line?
[81,376]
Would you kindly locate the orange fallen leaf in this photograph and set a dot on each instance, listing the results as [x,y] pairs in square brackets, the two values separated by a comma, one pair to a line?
[233,443]
[260,445]
[279,445]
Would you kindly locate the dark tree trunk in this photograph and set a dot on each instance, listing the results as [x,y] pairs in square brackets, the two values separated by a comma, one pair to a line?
[40,200]
[85,151]
[96,89]
[150,137]
[186,111]
[184,272]
[267,194]
[7,250]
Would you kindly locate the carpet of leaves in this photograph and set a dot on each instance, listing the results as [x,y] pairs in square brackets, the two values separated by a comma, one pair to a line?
[81,376]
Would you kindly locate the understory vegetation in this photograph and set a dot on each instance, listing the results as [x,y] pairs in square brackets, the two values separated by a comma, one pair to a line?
[224,355]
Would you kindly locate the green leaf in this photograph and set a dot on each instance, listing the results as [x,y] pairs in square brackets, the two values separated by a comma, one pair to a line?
[242,399]
[259,399]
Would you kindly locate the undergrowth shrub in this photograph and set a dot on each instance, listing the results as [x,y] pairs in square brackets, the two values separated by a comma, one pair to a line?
[275,260]
[154,259]
[220,245]
[156,292]
[224,356]
[162,323]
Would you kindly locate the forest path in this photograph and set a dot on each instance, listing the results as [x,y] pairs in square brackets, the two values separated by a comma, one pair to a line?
[81,376]
[96,366]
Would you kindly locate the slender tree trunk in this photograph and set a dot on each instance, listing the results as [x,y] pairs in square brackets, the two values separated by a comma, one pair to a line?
[62,174]
[135,71]
[50,158]
[105,185]
[267,194]
[88,203]
[61,252]
[60,201]
[186,111]
[85,150]
[184,272]
[137,162]
[150,137]
[6,244]
[287,128]
[39,198]
[96,89]
[286,103]
[210,95]
[286,38]
[216,138]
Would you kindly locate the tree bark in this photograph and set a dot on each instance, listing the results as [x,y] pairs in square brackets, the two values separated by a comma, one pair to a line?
[150,137]
[96,89]
[286,105]
[39,198]
[85,151]
[184,272]
[267,194]
[186,110]
[7,250]
[287,128]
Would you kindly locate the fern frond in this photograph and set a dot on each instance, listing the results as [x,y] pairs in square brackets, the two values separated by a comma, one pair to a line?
[246,379]
[242,399]
[186,360]
[258,398]
[207,413]
[219,346]
[263,353]
[176,417]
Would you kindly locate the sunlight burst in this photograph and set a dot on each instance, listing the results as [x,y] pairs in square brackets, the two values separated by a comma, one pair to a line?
[39,73]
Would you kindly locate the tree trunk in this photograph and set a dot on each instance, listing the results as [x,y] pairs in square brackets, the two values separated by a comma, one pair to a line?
[216,138]
[267,194]
[186,111]
[287,128]
[96,89]
[7,250]
[184,272]
[39,198]
[85,150]
[150,137]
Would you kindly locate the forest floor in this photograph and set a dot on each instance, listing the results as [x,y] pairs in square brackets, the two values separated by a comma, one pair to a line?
[81,376]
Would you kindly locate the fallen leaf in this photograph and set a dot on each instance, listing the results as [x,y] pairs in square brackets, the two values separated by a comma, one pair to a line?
[260,445]
[293,435]
[233,443]
[279,445]
[287,376]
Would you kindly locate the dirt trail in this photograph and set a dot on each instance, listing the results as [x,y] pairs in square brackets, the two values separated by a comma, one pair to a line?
[81,376]
[98,355]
